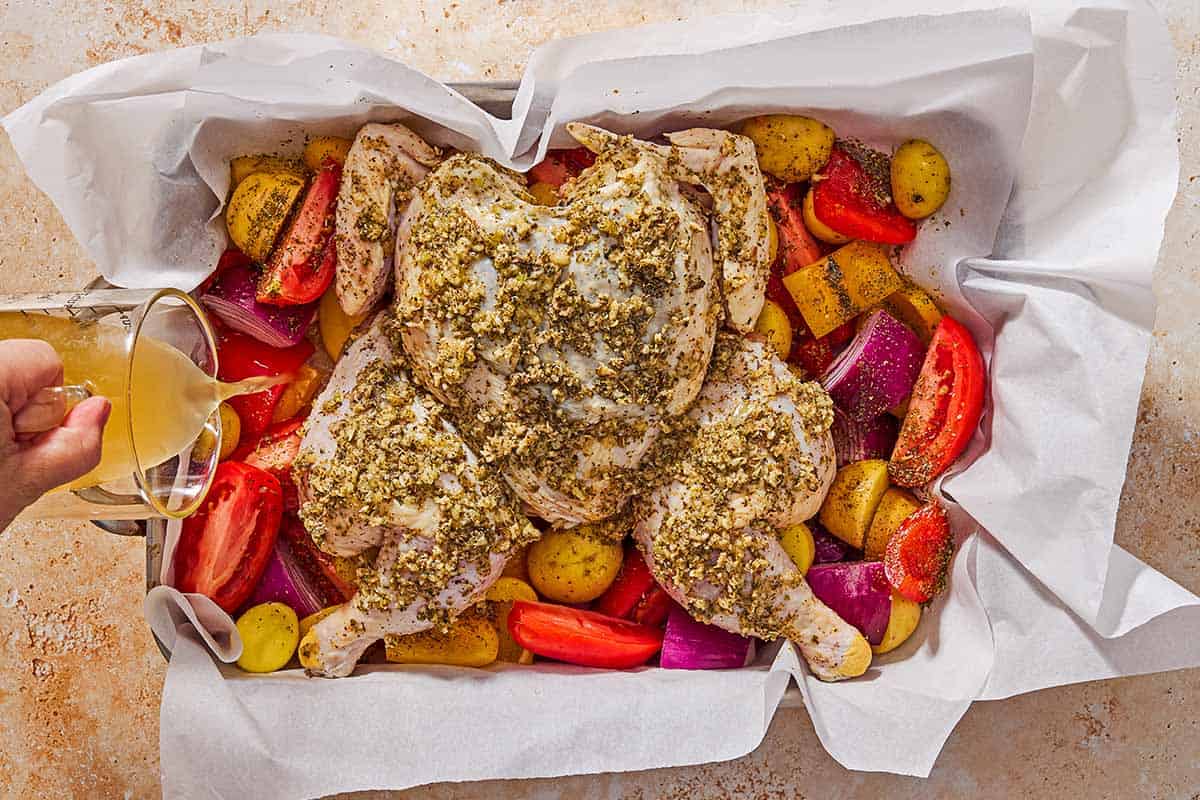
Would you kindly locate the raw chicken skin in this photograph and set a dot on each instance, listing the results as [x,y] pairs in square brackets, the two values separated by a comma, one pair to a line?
[383,165]
[563,338]
[758,457]
[385,478]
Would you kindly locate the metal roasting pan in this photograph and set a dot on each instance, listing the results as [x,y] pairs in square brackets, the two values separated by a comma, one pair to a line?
[495,97]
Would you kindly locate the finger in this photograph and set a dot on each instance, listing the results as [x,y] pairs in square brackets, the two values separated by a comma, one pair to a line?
[67,452]
[26,365]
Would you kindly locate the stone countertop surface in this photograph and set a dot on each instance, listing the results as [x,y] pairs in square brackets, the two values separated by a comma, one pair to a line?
[80,677]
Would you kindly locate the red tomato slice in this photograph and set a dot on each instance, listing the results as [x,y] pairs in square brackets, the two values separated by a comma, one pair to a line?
[274,452]
[918,554]
[853,196]
[944,410]
[225,546]
[316,563]
[797,247]
[241,356]
[631,585]
[582,637]
[301,268]
[559,166]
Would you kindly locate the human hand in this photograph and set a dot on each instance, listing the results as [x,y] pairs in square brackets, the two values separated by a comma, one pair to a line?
[30,467]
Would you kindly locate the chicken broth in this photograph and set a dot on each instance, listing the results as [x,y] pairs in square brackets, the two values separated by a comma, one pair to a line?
[171,397]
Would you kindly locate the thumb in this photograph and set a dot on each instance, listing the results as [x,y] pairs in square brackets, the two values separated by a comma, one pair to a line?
[67,452]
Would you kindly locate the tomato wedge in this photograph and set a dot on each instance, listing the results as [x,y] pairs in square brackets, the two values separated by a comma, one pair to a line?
[225,546]
[853,196]
[654,607]
[316,563]
[944,410]
[918,554]
[274,452]
[582,637]
[559,166]
[301,267]
[797,247]
[240,356]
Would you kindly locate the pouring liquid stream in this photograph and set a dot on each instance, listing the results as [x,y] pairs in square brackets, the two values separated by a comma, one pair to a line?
[169,401]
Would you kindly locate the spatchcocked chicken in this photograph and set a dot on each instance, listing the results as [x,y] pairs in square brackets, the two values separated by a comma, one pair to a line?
[553,360]
[567,338]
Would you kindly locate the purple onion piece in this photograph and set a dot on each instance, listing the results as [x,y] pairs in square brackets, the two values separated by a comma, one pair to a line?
[858,592]
[877,370]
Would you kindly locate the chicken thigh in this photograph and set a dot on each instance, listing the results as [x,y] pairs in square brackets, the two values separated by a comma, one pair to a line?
[383,165]
[566,338]
[385,478]
[757,457]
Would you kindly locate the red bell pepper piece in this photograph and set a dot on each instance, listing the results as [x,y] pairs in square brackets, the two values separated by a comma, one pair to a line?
[632,583]
[240,356]
[853,196]
[918,554]
[559,166]
[582,637]
[654,607]
[301,267]
[944,409]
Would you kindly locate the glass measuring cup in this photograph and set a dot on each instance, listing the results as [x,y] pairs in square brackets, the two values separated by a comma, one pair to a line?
[152,353]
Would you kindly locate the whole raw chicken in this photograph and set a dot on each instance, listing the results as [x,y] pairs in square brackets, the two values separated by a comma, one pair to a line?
[383,165]
[385,478]
[567,338]
[756,458]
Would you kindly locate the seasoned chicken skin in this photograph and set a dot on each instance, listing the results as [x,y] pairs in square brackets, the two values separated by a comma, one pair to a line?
[385,478]
[757,457]
[726,166]
[563,338]
[383,165]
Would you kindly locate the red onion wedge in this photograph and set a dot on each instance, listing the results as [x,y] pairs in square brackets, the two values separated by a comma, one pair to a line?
[877,370]
[231,297]
[827,548]
[858,592]
[859,441]
[689,644]
[284,581]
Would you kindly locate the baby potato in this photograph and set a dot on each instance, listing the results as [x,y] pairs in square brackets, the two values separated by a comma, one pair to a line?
[773,324]
[790,147]
[901,624]
[573,566]
[231,430]
[318,148]
[797,541]
[516,566]
[308,622]
[243,167]
[270,633]
[855,494]
[501,596]
[817,228]
[471,642]
[258,210]
[772,240]
[895,505]
[920,179]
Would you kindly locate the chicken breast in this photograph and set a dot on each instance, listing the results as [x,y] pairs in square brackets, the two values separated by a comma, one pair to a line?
[756,457]
[383,165]
[564,338]
[385,478]
[726,166]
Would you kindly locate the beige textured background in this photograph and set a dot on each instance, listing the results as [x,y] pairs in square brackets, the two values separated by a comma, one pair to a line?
[80,678]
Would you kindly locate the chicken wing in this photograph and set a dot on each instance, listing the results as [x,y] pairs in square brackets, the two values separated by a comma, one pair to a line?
[383,165]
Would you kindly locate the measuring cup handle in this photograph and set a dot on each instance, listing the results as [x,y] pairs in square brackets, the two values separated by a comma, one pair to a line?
[48,408]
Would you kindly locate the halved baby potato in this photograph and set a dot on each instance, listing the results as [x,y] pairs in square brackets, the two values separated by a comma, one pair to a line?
[855,494]
[258,209]
[894,507]
[319,148]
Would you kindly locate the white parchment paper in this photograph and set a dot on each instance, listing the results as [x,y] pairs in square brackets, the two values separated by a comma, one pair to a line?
[1058,124]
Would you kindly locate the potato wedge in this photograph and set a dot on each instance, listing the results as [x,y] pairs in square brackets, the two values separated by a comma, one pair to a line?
[319,148]
[797,541]
[471,642]
[852,500]
[773,324]
[904,619]
[894,506]
[258,209]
